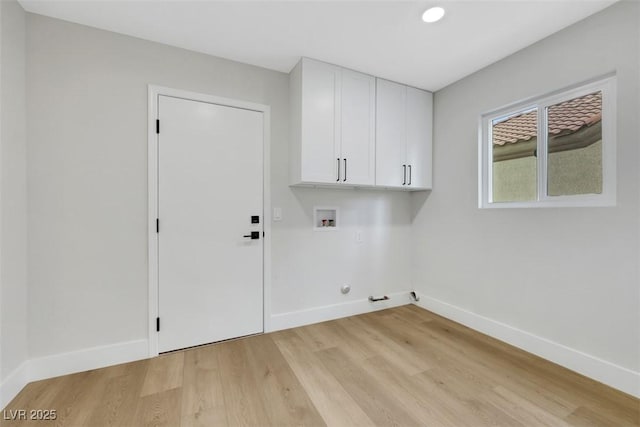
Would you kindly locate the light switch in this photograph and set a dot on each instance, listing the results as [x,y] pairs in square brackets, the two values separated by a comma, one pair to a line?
[277,214]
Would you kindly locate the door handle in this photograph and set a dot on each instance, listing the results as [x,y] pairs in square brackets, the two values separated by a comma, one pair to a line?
[409,183]
[253,236]
[338,180]
[345,170]
[404,174]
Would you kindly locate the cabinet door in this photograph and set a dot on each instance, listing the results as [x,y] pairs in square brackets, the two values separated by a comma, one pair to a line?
[357,128]
[419,137]
[320,96]
[390,134]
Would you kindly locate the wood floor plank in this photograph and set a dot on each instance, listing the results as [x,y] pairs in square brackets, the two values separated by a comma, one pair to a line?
[380,406]
[39,395]
[402,366]
[362,327]
[412,339]
[515,364]
[163,373]
[202,393]
[486,364]
[334,334]
[467,366]
[286,402]
[483,411]
[357,347]
[72,406]
[35,395]
[429,404]
[318,336]
[158,409]
[462,360]
[83,406]
[333,402]
[118,404]
[242,398]
[588,417]
[522,409]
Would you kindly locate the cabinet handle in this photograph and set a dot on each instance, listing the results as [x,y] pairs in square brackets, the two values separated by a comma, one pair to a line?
[409,183]
[345,170]
[404,174]
[338,179]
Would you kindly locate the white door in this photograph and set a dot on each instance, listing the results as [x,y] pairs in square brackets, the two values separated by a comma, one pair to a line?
[210,184]
[357,124]
[391,134]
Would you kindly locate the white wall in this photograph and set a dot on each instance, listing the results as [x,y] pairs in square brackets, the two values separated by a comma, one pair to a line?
[567,275]
[87,175]
[13,206]
[309,267]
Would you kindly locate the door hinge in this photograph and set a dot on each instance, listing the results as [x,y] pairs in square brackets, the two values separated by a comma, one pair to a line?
[157,225]
[158,126]
[157,324]
[263,234]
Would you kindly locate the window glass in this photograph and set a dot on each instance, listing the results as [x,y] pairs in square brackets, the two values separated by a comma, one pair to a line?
[554,150]
[514,142]
[574,164]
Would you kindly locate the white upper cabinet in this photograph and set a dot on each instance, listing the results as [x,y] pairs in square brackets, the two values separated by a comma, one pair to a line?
[333,125]
[315,90]
[391,134]
[404,117]
[357,125]
[351,129]
[419,138]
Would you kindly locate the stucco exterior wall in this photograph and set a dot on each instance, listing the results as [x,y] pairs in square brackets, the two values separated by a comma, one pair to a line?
[576,171]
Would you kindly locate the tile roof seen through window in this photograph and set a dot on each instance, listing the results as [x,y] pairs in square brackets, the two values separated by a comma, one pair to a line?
[564,118]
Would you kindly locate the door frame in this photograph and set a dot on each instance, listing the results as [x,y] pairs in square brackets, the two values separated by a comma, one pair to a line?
[153,96]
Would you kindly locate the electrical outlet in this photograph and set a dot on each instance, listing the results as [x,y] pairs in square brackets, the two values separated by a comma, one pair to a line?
[359,236]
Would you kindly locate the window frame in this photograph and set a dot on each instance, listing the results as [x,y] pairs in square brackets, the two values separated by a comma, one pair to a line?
[606,85]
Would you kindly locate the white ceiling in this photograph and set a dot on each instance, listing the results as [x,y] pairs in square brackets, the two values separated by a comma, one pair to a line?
[383,38]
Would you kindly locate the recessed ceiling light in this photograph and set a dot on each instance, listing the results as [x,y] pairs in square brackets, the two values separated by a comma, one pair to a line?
[433,14]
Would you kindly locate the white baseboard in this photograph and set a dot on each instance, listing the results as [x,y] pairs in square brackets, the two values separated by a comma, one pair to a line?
[108,355]
[600,370]
[86,359]
[14,382]
[608,373]
[68,363]
[335,311]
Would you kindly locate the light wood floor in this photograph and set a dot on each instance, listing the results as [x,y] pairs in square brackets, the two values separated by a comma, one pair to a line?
[403,366]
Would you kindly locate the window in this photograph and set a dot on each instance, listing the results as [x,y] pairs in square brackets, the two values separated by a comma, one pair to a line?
[554,150]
